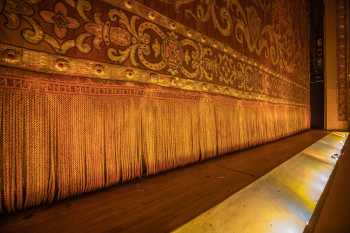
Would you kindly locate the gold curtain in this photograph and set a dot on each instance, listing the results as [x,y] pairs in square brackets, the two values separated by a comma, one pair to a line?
[98,92]
[343,59]
[56,144]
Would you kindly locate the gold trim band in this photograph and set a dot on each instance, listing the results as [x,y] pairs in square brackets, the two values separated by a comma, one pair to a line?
[56,64]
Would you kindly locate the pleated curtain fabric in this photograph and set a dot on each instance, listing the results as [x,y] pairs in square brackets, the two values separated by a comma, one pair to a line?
[95,93]
[58,145]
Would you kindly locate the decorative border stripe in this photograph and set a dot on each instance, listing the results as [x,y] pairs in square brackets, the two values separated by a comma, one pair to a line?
[56,64]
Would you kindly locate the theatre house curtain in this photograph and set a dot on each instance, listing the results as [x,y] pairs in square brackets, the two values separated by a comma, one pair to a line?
[343,59]
[94,93]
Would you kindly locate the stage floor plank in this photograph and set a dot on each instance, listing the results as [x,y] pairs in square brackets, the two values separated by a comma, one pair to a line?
[159,203]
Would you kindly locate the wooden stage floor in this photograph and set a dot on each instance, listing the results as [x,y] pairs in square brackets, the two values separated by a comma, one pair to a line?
[159,203]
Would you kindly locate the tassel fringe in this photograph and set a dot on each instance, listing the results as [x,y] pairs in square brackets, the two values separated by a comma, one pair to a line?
[53,146]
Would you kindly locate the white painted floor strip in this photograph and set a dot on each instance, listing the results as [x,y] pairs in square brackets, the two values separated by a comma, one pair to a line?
[282,201]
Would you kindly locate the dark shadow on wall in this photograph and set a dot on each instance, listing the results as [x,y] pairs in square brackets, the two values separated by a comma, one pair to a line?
[316,65]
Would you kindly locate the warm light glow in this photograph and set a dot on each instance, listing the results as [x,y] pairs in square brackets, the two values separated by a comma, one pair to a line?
[281,201]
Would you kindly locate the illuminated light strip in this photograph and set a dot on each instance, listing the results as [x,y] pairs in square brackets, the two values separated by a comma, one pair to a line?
[282,200]
[31,60]
[170,24]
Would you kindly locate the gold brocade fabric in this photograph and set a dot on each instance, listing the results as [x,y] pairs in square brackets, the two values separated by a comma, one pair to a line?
[93,93]
[257,50]
[343,62]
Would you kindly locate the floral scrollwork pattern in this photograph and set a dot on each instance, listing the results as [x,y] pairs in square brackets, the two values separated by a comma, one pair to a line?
[111,34]
[58,17]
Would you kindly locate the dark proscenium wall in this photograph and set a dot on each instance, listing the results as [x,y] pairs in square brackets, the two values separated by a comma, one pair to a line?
[317,65]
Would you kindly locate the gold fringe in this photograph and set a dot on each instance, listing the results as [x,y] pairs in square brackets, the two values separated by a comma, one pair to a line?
[57,145]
